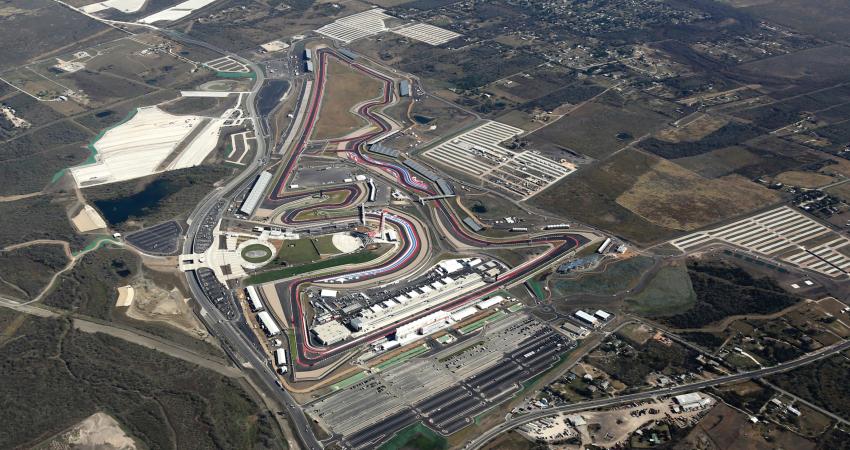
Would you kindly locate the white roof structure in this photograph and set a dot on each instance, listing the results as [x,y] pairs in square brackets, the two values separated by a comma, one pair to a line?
[268,323]
[280,356]
[421,322]
[492,301]
[463,313]
[256,194]
[602,314]
[450,265]
[688,398]
[328,293]
[586,317]
[254,298]
[330,333]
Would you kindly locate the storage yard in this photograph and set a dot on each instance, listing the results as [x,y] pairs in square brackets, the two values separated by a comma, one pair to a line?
[427,33]
[356,26]
[784,234]
[477,152]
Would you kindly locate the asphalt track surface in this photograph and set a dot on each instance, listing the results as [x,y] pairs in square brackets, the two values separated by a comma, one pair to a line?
[310,355]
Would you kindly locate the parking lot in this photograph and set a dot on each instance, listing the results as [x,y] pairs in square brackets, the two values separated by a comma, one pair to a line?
[161,239]
[478,153]
[447,387]
[785,234]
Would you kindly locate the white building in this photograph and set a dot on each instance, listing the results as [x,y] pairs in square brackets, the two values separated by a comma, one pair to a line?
[328,293]
[330,333]
[602,315]
[280,357]
[254,299]
[423,324]
[268,323]
[585,317]
[492,301]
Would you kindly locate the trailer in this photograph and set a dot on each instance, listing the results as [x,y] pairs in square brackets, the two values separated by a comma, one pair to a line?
[268,323]
[254,299]
[280,357]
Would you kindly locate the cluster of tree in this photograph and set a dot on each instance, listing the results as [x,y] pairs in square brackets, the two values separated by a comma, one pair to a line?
[723,291]
[732,133]
[52,376]
[633,364]
[89,288]
[29,269]
[823,383]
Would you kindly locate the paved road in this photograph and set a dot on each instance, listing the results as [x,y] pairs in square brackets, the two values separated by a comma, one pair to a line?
[490,434]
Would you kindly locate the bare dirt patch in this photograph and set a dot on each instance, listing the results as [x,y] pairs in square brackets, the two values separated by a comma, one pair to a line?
[724,428]
[693,130]
[87,220]
[98,431]
[345,88]
[152,303]
[803,179]
[674,197]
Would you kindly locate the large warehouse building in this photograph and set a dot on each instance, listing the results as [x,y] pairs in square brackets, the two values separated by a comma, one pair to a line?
[256,193]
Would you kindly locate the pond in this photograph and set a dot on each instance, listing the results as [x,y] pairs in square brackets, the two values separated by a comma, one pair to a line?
[118,210]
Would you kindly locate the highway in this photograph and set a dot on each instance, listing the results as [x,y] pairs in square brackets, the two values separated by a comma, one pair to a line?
[490,434]
[232,339]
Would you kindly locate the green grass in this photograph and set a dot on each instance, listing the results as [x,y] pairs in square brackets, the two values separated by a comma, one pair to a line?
[349,381]
[444,338]
[100,240]
[256,247]
[298,251]
[616,277]
[325,246]
[496,316]
[669,292]
[279,274]
[537,288]
[236,74]
[402,357]
[416,436]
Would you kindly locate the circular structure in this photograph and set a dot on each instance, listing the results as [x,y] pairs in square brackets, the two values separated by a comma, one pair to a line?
[255,253]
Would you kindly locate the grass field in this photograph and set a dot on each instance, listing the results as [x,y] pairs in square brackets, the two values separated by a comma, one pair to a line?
[279,274]
[803,179]
[646,198]
[325,246]
[593,129]
[668,292]
[298,251]
[616,278]
[346,88]
[673,197]
[416,436]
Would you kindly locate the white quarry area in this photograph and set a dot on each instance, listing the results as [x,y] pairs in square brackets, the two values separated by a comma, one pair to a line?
[176,12]
[141,145]
[125,6]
